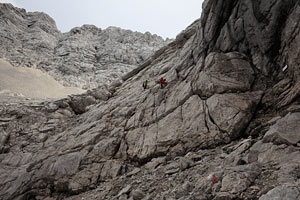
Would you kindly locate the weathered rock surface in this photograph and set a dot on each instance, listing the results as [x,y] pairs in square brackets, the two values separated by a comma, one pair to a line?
[85,57]
[281,192]
[189,140]
[286,130]
[224,72]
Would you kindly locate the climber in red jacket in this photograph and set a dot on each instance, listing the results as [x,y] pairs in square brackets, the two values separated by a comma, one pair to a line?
[162,82]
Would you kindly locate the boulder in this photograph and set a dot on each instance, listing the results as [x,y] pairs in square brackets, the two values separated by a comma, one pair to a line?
[79,104]
[282,192]
[285,131]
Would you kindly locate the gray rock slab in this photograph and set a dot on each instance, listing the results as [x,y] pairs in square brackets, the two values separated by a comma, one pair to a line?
[285,131]
[282,192]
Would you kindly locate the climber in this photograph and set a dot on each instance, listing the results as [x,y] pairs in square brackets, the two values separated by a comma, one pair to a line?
[162,82]
[145,84]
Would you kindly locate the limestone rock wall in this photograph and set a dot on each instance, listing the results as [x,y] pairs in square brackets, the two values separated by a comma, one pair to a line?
[84,57]
[223,128]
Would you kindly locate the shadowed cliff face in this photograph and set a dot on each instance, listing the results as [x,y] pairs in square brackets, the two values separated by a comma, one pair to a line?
[225,127]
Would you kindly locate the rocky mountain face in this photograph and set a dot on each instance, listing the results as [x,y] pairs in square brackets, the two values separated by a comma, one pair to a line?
[225,127]
[85,57]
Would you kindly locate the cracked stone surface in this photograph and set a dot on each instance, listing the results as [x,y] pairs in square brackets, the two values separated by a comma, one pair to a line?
[282,192]
[286,130]
[190,140]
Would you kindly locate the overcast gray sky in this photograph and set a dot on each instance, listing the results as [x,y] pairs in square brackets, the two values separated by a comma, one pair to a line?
[166,18]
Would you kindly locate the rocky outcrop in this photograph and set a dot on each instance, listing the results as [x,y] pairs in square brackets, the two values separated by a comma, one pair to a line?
[85,57]
[223,128]
[285,131]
